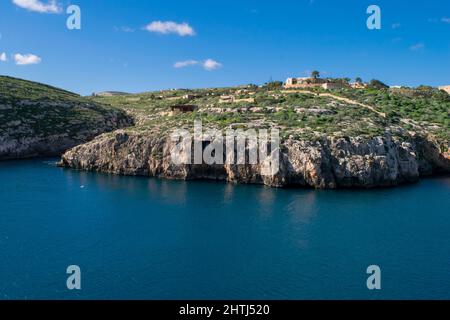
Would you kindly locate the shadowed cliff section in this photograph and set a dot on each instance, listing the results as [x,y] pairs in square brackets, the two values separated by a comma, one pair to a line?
[39,120]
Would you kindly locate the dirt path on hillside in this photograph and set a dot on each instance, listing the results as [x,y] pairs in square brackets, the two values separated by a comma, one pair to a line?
[347,100]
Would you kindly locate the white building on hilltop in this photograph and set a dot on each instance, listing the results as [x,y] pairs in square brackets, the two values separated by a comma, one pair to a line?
[305,83]
[445,88]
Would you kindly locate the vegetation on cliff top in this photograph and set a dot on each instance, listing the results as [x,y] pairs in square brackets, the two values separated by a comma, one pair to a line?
[297,113]
[425,107]
[30,109]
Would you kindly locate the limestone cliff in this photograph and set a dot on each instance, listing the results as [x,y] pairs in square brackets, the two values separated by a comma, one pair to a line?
[327,164]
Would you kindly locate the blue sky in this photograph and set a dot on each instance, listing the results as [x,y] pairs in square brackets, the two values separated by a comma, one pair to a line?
[246,42]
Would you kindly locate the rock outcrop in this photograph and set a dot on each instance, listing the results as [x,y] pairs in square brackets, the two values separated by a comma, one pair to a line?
[21,141]
[328,164]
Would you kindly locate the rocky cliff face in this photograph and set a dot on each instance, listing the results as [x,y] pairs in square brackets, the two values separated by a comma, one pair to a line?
[21,139]
[49,145]
[328,164]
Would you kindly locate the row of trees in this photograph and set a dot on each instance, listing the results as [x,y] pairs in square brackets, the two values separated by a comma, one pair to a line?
[374,83]
[316,75]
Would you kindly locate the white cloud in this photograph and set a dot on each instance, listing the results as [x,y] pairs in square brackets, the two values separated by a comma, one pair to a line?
[167,27]
[39,6]
[211,65]
[208,64]
[26,59]
[417,47]
[3,57]
[187,63]
[445,20]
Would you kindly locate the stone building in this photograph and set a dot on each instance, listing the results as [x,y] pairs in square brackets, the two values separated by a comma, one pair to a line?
[307,83]
[358,85]
[296,82]
[184,108]
[227,99]
[334,85]
[445,88]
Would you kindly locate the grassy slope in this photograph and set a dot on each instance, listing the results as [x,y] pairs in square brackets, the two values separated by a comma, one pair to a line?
[29,108]
[427,108]
[296,114]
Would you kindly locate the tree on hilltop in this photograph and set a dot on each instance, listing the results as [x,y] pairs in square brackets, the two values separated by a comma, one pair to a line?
[315,74]
[274,85]
[377,84]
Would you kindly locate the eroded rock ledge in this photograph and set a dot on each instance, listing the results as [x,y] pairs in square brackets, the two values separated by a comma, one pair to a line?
[328,164]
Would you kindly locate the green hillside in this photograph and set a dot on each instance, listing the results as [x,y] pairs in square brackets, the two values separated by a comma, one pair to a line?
[33,115]
[303,114]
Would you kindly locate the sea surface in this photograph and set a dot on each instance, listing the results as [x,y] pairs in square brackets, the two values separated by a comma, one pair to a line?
[143,238]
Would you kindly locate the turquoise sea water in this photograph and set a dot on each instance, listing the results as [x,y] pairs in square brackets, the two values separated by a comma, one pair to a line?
[140,238]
